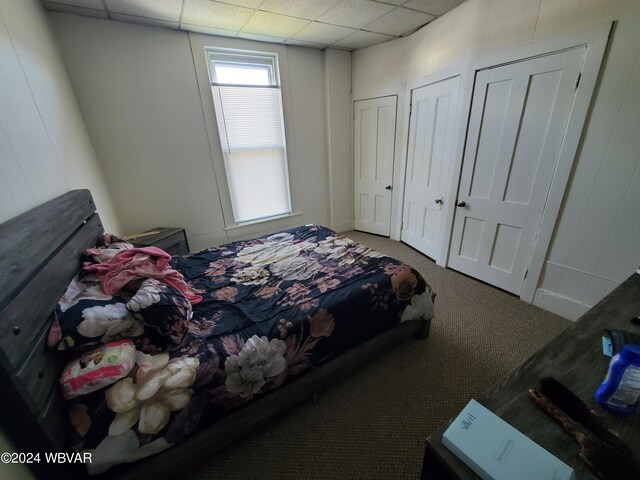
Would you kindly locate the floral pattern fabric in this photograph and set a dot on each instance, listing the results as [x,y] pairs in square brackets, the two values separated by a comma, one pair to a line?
[272,308]
[156,315]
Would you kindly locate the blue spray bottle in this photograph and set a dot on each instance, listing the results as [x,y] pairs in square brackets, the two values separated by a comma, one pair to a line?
[620,390]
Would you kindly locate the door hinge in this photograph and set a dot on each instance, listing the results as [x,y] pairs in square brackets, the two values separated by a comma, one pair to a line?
[410,108]
[525,274]
[578,80]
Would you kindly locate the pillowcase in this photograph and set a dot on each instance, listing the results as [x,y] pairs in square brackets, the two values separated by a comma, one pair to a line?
[85,315]
[98,368]
[157,315]
[163,309]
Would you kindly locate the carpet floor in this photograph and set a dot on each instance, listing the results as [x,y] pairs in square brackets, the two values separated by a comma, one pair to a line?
[373,425]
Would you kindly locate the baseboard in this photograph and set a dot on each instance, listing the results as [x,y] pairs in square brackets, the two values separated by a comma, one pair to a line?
[563,306]
[343,226]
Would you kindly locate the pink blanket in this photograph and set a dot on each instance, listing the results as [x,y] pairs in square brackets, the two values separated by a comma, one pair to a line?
[135,263]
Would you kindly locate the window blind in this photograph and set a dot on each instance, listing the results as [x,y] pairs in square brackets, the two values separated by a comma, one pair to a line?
[253,145]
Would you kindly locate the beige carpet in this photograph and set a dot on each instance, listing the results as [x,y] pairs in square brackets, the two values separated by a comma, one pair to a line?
[373,425]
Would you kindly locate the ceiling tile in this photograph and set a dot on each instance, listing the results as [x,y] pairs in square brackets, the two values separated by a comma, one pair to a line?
[355,13]
[309,9]
[243,3]
[214,14]
[361,39]
[93,4]
[434,7]
[168,10]
[300,43]
[152,22]
[221,32]
[85,12]
[322,33]
[260,38]
[348,24]
[265,23]
[399,21]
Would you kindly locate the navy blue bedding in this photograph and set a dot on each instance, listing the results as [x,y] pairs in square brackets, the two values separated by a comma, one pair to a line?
[272,308]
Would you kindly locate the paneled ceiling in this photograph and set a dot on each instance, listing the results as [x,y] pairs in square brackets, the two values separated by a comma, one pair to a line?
[348,24]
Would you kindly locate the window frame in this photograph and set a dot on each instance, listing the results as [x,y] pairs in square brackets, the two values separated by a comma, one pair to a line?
[224,56]
[241,57]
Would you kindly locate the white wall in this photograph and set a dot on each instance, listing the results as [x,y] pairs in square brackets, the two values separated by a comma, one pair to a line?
[337,82]
[139,93]
[596,243]
[44,146]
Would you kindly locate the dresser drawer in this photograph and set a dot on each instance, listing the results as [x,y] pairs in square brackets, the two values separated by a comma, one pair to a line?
[173,245]
[171,240]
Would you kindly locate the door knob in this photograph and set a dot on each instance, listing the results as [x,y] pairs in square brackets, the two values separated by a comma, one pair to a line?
[461,203]
[388,187]
[438,201]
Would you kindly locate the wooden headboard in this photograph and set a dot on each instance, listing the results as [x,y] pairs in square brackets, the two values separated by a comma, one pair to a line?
[39,255]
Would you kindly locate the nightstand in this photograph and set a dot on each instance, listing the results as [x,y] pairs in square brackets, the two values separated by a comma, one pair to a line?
[171,240]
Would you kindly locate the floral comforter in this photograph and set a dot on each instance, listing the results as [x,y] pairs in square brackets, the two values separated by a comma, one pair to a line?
[272,309]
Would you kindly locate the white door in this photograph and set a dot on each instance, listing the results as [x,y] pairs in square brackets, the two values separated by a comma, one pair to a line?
[373,149]
[429,157]
[518,119]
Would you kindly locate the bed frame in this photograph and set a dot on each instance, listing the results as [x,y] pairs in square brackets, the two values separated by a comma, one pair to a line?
[39,254]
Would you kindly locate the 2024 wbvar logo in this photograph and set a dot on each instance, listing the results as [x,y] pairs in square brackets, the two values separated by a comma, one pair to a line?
[49,457]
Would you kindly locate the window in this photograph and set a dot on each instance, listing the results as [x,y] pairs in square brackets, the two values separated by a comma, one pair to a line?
[248,106]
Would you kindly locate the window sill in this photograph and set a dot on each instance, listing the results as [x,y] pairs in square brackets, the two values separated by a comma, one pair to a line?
[239,226]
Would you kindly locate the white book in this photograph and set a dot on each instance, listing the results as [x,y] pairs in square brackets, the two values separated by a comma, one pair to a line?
[495,450]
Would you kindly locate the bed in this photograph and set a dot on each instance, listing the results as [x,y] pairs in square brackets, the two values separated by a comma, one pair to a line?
[317,303]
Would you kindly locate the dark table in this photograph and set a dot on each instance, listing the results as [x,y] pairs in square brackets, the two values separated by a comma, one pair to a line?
[575,358]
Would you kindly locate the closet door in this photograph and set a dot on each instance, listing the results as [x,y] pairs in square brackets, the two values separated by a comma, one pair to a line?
[518,120]
[429,158]
[373,147]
